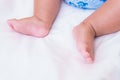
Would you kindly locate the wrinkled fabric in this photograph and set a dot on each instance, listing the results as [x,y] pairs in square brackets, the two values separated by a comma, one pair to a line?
[85,4]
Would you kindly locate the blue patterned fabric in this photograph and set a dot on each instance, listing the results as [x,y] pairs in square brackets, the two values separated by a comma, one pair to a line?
[85,4]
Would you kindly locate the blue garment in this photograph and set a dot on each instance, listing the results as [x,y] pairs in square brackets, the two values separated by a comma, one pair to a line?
[85,4]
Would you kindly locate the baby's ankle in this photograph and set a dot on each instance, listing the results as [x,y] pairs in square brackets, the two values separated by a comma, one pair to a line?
[88,27]
[43,20]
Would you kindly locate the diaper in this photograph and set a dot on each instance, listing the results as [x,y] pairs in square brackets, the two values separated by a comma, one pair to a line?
[85,4]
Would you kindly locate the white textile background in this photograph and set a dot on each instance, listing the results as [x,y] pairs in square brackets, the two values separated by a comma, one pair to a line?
[54,57]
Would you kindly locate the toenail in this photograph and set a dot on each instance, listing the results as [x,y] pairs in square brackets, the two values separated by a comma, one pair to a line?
[89,60]
[86,54]
[10,24]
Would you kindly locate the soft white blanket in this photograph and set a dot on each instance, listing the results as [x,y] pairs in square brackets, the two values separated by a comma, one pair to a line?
[54,57]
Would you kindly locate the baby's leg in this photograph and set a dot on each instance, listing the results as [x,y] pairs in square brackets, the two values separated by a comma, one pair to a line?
[103,21]
[39,25]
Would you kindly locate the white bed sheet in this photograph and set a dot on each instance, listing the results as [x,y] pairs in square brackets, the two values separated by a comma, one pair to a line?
[54,57]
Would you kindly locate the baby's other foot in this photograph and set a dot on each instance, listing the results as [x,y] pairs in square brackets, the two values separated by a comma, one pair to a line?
[30,26]
[84,36]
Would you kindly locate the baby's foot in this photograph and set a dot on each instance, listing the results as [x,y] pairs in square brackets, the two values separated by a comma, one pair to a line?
[84,35]
[30,26]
